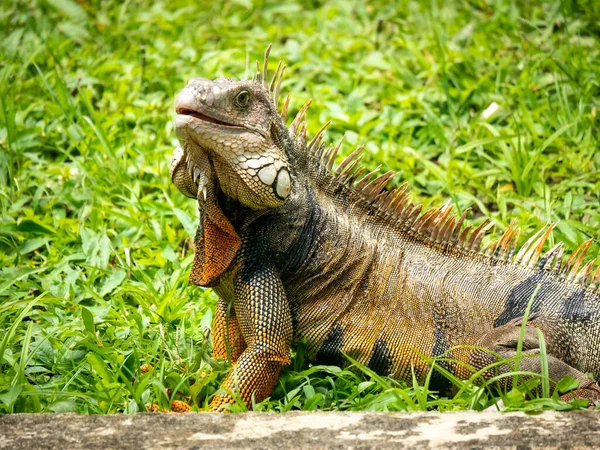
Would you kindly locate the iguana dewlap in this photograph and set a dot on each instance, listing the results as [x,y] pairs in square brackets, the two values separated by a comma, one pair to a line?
[296,249]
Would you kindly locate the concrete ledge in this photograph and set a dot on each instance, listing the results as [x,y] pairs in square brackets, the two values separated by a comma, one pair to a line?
[580,429]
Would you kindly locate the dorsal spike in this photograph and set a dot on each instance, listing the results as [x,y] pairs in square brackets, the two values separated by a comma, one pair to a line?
[437,220]
[569,262]
[583,276]
[449,237]
[506,238]
[399,198]
[352,157]
[278,87]
[481,235]
[499,252]
[345,175]
[548,258]
[574,263]
[413,215]
[318,137]
[377,184]
[512,247]
[446,209]
[443,223]
[532,256]
[319,152]
[266,67]
[327,157]
[314,144]
[381,198]
[471,244]
[274,80]
[426,219]
[403,206]
[366,179]
[299,117]
[558,260]
[456,232]
[404,211]
[337,149]
[284,108]
[463,238]
[404,188]
[525,248]
[595,279]
[447,230]
[491,248]
[354,176]
[302,135]
[331,158]
[258,74]
[390,199]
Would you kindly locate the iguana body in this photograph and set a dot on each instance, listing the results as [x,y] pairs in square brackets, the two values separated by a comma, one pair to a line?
[296,250]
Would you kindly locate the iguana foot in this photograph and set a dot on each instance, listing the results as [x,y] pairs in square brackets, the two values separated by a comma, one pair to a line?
[591,393]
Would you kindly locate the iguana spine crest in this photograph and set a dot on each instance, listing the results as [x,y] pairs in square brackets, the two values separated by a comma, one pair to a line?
[436,225]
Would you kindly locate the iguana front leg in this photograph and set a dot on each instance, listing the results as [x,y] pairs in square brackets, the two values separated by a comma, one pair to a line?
[264,317]
[228,341]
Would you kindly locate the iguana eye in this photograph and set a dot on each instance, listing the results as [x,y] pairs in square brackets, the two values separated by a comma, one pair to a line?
[242,99]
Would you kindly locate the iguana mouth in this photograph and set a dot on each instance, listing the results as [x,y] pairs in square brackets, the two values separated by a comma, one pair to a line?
[203,117]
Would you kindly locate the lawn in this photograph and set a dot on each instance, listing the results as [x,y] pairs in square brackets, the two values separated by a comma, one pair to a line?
[487,102]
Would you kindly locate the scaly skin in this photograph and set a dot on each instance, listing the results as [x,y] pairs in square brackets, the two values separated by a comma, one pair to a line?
[296,251]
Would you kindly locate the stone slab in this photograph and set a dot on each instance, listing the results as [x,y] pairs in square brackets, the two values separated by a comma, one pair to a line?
[299,430]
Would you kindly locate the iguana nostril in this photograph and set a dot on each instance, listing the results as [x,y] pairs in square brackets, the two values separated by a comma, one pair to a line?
[209,98]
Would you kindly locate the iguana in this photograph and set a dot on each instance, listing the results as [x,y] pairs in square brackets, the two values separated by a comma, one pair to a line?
[296,249]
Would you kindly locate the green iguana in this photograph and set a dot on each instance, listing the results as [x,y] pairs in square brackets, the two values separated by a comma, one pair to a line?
[296,249]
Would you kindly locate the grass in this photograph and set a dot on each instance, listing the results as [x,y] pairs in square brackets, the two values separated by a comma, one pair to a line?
[489,102]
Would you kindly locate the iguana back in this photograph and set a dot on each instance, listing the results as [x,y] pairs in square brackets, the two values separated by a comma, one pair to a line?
[383,284]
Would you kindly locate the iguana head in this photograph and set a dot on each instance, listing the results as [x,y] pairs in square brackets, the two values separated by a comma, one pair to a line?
[233,146]
[231,134]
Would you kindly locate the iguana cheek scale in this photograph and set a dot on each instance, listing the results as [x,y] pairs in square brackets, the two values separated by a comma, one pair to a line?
[299,250]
